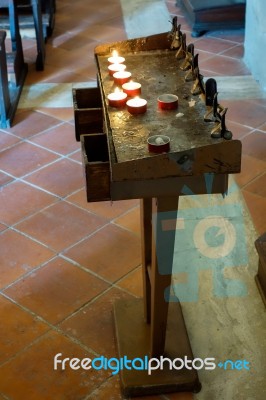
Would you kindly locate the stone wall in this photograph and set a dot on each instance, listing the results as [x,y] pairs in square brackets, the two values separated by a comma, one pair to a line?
[255,40]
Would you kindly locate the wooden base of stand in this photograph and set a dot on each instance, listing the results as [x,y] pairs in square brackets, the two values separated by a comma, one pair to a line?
[261,288]
[133,341]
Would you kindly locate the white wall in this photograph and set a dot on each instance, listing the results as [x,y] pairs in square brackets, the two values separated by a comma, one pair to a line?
[255,40]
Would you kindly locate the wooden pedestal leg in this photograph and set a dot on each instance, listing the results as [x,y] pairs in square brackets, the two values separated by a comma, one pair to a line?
[161,274]
[162,331]
[146,245]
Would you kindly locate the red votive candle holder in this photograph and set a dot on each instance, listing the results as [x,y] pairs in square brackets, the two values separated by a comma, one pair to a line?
[121,77]
[117,99]
[137,106]
[112,68]
[132,89]
[158,144]
[167,102]
[115,58]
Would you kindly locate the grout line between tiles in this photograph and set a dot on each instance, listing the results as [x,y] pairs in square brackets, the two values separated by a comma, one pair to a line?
[253,180]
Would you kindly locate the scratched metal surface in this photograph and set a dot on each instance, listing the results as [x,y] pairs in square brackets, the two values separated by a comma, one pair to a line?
[158,72]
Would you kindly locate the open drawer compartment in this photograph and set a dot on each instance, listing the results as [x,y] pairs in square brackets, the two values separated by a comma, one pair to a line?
[88,112]
[95,159]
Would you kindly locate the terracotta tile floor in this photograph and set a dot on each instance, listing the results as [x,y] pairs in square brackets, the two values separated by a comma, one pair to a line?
[64,261]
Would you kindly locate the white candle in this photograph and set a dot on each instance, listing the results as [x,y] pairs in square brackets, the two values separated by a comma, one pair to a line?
[117,98]
[115,68]
[116,59]
[132,89]
[121,77]
[137,105]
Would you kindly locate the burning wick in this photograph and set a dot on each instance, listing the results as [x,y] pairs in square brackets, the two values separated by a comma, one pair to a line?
[116,68]
[116,59]
[137,106]
[121,77]
[117,99]
[132,89]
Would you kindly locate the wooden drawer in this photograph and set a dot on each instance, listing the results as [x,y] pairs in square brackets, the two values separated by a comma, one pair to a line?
[95,159]
[88,111]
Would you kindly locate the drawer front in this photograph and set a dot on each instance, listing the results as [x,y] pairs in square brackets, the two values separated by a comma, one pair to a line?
[96,164]
[88,112]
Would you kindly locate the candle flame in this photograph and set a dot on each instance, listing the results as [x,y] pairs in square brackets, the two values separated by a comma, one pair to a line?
[115,53]
[117,90]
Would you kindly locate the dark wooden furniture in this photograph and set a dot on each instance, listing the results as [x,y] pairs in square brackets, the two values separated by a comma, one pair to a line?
[33,14]
[260,278]
[11,63]
[205,15]
[118,166]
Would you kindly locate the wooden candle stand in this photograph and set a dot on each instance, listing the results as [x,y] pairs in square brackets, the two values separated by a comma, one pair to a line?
[119,166]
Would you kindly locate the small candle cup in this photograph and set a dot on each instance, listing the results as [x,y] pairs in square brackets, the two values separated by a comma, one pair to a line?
[115,68]
[121,77]
[132,89]
[158,144]
[167,102]
[137,106]
[117,99]
[116,59]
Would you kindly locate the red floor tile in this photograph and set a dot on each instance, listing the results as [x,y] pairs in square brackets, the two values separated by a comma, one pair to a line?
[213,45]
[108,390]
[258,186]
[60,178]
[111,252]
[24,158]
[2,227]
[30,122]
[7,140]
[20,330]
[257,206]
[19,255]
[235,52]
[99,315]
[4,179]
[61,225]
[238,130]
[31,376]
[19,200]
[225,66]
[56,290]
[254,145]
[250,169]
[245,112]
[62,113]
[133,282]
[130,221]
[106,209]
[60,139]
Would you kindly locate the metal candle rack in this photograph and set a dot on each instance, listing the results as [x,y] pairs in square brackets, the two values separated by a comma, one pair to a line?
[118,166]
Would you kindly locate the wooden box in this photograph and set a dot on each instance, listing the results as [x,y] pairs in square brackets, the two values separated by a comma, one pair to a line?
[88,112]
[95,159]
[214,15]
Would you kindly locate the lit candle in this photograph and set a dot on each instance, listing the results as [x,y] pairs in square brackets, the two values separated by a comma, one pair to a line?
[121,77]
[116,59]
[167,102]
[132,89]
[117,98]
[137,105]
[115,68]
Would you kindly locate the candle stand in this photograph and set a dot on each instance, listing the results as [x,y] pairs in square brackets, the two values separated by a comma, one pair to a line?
[119,166]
